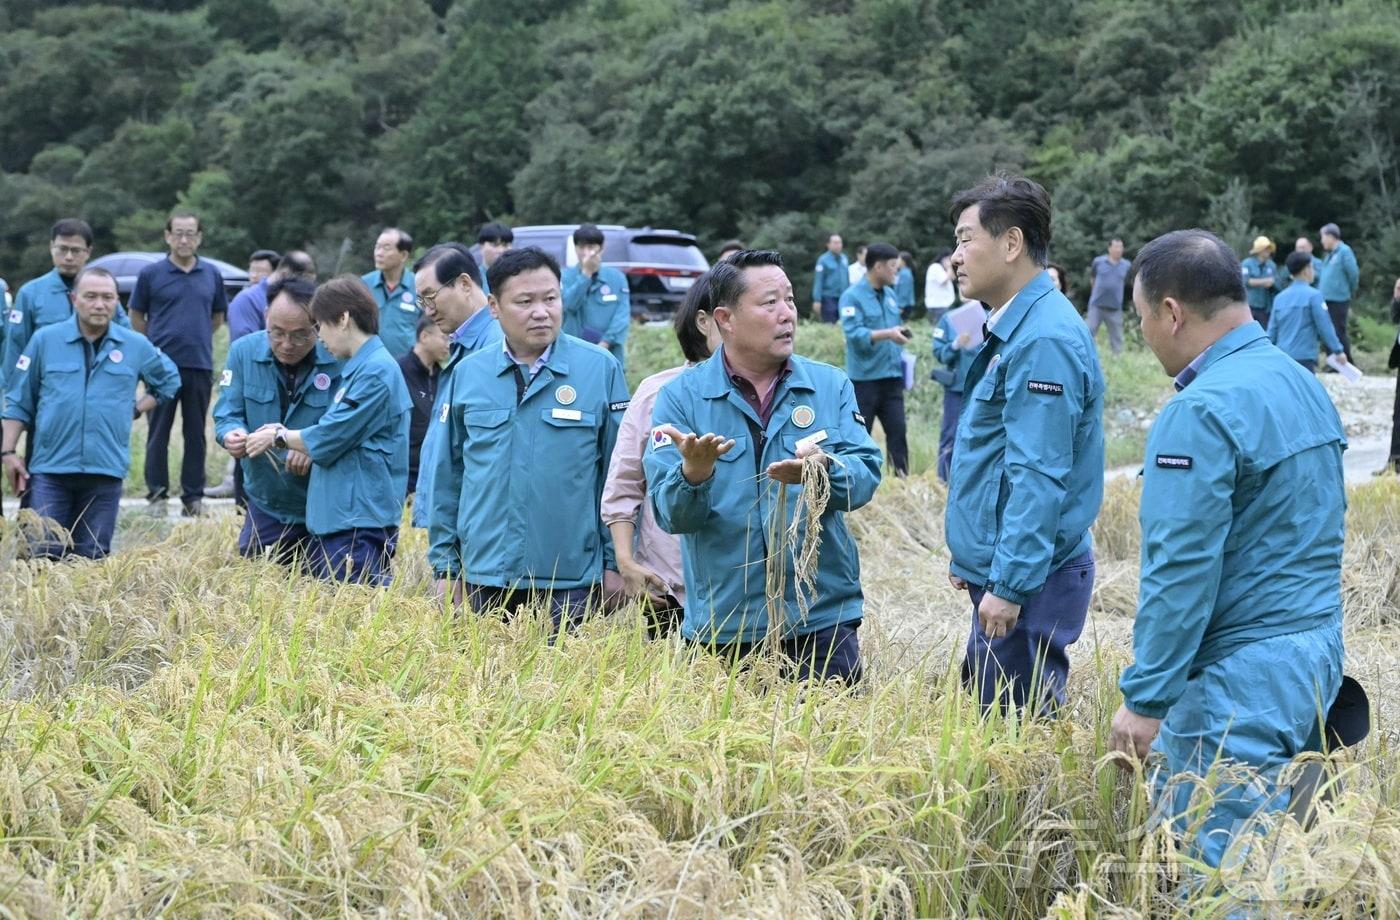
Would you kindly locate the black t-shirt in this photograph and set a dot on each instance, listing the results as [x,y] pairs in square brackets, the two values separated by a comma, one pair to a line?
[422,389]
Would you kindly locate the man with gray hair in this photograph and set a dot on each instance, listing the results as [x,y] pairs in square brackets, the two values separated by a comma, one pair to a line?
[1338,281]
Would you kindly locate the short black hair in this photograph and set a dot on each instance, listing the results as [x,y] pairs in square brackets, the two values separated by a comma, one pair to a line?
[733,246]
[405,242]
[1297,261]
[183,215]
[446,262]
[879,252]
[694,345]
[346,294]
[299,290]
[93,270]
[299,264]
[516,262]
[1006,202]
[588,234]
[425,322]
[727,283]
[1195,267]
[831,234]
[270,256]
[71,226]
[493,232]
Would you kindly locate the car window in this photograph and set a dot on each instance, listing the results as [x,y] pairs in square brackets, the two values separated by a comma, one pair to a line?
[552,243]
[666,250]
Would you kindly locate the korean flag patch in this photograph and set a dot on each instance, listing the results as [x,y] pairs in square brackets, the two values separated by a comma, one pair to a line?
[226,378]
[442,416]
[660,439]
[23,363]
[938,333]
[16,317]
[848,311]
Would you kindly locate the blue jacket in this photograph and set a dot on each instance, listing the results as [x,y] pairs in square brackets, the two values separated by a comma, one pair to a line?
[1027,477]
[863,311]
[481,331]
[1285,279]
[398,311]
[81,420]
[957,360]
[1243,513]
[359,448]
[39,303]
[1300,322]
[247,312]
[250,396]
[904,288]
[597,308]
[1252,268]
[831,277]
[523,480]
[724,522]
[1340,274]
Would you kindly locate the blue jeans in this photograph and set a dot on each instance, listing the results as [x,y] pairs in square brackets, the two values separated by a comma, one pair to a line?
[832,653]
[830,311]
[568,604]
[948,431]
[1032,661]
[1257,708]
[263,534]
[84,505]
[361,555]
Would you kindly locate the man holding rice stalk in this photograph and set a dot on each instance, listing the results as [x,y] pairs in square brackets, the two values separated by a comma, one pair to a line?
[1238,636]
[1027,476]
[744,447]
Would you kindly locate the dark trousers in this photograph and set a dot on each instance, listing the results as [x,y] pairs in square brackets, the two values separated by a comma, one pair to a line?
[1309,363]
[196,385]
[1260,316]
[830,311]
[884,399]
[948,431]
[240,498]
[363,555]
[263,534]
[826,654]
[1395,428]
[1032,661]
[84,505]
[564,605]
[1337,310]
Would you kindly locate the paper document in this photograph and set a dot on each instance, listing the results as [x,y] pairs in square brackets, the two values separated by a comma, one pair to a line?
[1350,372]
[969,319]
[908,358]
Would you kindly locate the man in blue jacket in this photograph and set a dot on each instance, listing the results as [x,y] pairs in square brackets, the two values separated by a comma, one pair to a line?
[875,340]
[521,464]
[597,303]
[1338,282]
[830,279]
[393,290]
[1238,636]
[955,351]
[1300,323]
[280,376]
[74,390]
[1261,279]
[729,441]
[1027,477]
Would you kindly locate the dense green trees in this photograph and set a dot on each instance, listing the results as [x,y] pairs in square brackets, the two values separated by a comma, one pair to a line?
[313,122]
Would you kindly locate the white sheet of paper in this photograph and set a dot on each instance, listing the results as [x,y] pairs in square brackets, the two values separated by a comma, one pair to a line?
[908,360]
[1350,372]
[969,319]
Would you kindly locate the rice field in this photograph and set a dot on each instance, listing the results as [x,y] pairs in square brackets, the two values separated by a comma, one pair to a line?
[188,734]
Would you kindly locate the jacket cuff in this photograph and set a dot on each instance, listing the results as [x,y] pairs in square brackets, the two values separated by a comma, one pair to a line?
[1148,710]
[1010,594]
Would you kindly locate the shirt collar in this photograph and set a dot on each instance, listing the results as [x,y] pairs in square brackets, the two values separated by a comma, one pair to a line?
[998,313]
[539,362]
[1009,316]
[472,327]
[1189,373]
[1228,343]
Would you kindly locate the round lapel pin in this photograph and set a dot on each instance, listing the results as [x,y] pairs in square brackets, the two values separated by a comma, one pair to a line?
[803,416]
[566,395]
[117,356]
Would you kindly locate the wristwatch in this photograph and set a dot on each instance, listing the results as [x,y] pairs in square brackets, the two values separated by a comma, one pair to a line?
[279,440]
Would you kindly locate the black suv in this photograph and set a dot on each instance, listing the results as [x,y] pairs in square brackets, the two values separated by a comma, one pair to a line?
[125,266]
[660,265]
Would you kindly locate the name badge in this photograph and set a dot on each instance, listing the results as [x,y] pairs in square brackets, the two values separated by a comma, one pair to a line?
[569,415]
[407,305]
[812,440]
[609,298]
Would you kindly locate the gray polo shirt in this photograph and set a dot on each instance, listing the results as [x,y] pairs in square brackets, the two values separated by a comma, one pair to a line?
[1109,281]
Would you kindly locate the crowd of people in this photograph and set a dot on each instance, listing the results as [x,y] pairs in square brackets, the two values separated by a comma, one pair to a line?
[490,396]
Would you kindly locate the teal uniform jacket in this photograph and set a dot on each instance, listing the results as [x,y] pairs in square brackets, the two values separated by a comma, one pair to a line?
[39,303]
[485,285]
[597,309]
[1253,268]
[831,277]
[398,311]
[359,448]
[1340,275]
[1243,514]
[481,331]
[863,311]
[1285,279]
[957,360]
[725,522]
[250,396]
[80,419]
[523,479]
[904,288]
[1300,323]
[1027,477]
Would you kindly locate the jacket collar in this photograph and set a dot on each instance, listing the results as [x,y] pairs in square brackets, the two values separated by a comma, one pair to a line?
[715,384]
[1020,305]
[1236,339]
[362,356]
[115,333]
[53,283]
[557,360]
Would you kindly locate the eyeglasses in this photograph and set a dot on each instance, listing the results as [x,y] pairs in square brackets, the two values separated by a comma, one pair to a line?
[91,297]
[300,337]
[70,250]
[428,301]
[183,234]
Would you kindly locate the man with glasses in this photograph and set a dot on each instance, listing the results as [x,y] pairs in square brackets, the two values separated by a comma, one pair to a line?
[280,376]
[392,287]
[179,302]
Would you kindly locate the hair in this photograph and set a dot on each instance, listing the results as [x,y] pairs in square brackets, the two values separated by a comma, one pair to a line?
[1331,230]
[1064,276]
[1298,261]
[1006,202]
[879,252]
[585,235]
[346,294]
[299,290]
[182,215]
[298,264]
[93,270]
[493,232]
[404,243]
[425,322]
[694,345]
[860,247]
[516,262]
[1115,239]
[831,234]
[1195,267]
[270,256]
[733,246]
[727,282]
[448,262]
[71,226]
[943,254]
[907,258]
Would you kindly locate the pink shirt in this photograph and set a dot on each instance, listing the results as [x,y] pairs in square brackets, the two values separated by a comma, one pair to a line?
[625,491]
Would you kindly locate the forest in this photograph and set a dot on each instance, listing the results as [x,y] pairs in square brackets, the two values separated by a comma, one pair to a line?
[313,123]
